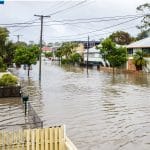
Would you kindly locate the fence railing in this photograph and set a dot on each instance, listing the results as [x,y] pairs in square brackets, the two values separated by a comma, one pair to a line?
[52,138]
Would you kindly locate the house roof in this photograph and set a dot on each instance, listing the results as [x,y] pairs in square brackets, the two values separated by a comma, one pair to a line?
[45,48]
[92,50]
[144,43]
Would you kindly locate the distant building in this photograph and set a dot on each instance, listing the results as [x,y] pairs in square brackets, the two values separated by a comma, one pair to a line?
[85,43]
[94,57]
[46,49]
[142,45]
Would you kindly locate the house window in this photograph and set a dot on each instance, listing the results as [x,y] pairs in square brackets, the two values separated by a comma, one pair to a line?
[146,51]
[130,51]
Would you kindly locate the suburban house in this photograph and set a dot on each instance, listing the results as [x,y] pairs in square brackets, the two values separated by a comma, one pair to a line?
[85,43]
[142,45]
[46,49]
[94,57]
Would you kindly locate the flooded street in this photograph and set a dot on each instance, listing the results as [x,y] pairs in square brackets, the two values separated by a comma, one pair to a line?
[101,111]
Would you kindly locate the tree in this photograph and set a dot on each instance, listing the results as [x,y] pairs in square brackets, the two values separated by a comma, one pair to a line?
[145,22]
[68,48]
[2,65]
[26,55]
[115,55]
[138,60]
[143,34]
[75,58]
[48,54]
[7,48]
[68,53]
[9,53]
[145,9]
[4,33]
[121,38]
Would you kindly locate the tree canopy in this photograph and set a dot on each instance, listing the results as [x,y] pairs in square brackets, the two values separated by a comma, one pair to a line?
[121,38]
[68,53]
[4,33]
[115,55]
[145,9]
[26,55]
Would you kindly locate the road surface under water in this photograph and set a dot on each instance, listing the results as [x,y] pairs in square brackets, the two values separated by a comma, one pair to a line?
[101,111]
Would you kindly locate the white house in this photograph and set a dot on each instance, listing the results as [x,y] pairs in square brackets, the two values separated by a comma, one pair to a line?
[143,45]
[94,57]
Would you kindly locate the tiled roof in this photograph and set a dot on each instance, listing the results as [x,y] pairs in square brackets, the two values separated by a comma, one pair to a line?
[144,43]
[46,48]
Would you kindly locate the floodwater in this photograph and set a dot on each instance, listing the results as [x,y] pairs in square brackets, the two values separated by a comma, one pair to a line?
[101,111]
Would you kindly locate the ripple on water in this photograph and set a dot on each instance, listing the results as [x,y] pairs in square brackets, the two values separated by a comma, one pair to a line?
[101,111]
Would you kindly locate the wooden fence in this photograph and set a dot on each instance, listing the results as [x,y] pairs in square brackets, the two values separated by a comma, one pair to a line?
[52,138]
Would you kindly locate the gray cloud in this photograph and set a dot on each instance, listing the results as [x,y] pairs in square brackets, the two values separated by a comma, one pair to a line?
[22,11]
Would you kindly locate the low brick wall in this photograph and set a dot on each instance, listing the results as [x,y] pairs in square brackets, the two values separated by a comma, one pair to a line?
[110,70]
[10,91]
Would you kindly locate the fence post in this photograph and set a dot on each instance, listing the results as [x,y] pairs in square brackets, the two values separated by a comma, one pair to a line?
[25,100]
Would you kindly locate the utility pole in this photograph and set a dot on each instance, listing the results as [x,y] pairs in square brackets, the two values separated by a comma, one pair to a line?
[18,37]
[41,35]
[87,60]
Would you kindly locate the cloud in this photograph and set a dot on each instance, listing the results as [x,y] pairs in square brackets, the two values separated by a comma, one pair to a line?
[22,11]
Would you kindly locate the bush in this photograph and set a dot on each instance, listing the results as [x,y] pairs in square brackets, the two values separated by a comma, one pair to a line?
[65,61]
[8,80]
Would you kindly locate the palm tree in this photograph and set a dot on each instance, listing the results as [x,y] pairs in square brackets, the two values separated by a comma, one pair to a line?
[138,60]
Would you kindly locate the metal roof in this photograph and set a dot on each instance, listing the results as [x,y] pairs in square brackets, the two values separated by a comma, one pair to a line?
[144,43]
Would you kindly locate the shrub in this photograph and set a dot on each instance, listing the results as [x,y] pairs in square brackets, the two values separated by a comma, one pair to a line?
[8,80]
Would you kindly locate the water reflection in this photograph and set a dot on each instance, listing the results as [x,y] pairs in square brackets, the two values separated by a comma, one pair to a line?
[137,79]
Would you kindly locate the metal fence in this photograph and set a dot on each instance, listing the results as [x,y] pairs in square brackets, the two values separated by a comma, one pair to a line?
[33,119]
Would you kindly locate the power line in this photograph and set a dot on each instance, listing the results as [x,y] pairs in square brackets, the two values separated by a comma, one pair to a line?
[105,28]
[81,19]
[62,10]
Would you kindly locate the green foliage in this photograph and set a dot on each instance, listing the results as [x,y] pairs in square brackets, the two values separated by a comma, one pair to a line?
[115,55]
[48,54]
[8,80]
[2,65]
[68,53]
[74,58]
[145,22]
[26,55]
[7,48]
[9,53]
[21,44]
[58,53]
[143,34]
[67,49]
[138,60]
[121,38]
[4,33]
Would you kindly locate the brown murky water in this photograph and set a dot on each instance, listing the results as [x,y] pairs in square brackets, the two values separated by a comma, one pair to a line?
[101,111]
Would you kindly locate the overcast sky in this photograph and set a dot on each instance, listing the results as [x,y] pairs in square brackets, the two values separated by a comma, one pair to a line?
[24,11]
